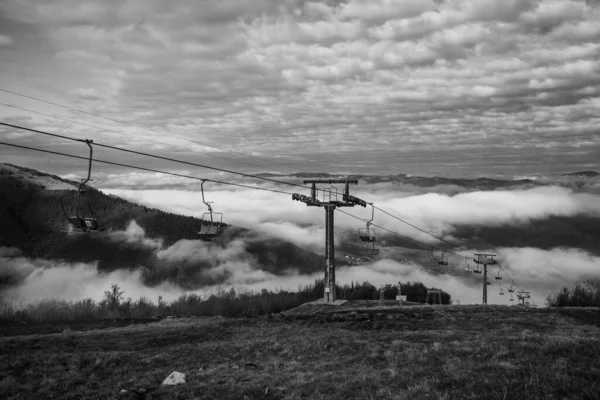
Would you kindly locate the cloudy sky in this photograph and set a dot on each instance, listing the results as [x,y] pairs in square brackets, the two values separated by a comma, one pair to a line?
[378,86]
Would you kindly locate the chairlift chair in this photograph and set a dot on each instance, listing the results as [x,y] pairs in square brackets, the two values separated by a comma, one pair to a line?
[211,224]
[501,291]
[511,289]
[79,213]
[368,234]
[467,266]
[80,217]
[441,260]
[477,269]
[374,249]
[498,277]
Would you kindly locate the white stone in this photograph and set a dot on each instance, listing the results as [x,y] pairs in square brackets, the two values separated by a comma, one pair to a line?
[174,379]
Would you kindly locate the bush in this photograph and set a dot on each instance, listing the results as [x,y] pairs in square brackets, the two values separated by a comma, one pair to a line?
[585,294]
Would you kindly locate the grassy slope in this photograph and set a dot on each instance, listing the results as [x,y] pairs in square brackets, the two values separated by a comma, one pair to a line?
[367,353]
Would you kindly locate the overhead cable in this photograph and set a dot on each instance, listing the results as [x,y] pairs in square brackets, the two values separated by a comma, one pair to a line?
[156,156]
[419,229]
[144,169]
[402,236]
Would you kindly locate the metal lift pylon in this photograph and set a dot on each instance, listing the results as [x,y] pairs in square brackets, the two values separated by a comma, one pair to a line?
[330,206]
[485,260]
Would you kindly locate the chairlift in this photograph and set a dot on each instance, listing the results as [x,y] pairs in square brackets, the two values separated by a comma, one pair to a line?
[501,291]
[440,261]
[211,224]
[368,234]
[79,213]
[374,249]
[498,277]
[477,269]
[511,289]
[467,266]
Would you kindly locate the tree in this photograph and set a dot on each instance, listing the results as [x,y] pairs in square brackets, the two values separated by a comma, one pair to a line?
[113,297]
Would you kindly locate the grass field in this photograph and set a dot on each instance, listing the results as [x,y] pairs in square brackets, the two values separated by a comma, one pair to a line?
[347,352]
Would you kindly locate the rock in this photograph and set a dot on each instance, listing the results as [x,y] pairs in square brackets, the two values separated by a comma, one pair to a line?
[174,379]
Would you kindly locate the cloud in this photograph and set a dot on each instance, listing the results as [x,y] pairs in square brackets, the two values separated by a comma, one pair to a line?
[135,234]
[462,83]
[5,40]
[85,281]
[276,215]
[540,272]
[548,271]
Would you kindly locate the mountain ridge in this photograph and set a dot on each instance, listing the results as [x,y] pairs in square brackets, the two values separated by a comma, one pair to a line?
[30,213]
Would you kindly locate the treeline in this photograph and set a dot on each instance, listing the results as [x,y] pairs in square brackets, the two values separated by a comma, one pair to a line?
[585,294]
[226,303]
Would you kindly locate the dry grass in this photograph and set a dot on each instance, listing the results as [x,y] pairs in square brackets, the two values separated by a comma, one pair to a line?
[342,353]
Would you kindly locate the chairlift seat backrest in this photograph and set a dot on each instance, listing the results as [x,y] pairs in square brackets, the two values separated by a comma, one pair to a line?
[366,235]
[76,222]
[209,229]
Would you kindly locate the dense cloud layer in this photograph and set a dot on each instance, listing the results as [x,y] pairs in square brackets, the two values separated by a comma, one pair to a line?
[443,210]
[540,272]
[382,85]
[279,216]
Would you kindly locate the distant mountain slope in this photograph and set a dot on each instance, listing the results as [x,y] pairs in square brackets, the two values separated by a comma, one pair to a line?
[30,214]
[483,183]
[475,184]
[589,174]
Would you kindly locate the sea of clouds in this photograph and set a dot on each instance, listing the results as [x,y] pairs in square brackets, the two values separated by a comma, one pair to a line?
[276,215]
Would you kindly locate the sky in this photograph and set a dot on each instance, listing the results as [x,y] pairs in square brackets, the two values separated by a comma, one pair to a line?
[466,87]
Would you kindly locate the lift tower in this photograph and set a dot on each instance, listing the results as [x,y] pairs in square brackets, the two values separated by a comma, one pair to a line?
[346,201]
[485,260]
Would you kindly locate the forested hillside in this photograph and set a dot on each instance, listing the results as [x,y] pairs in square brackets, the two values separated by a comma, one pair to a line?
[30,216]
